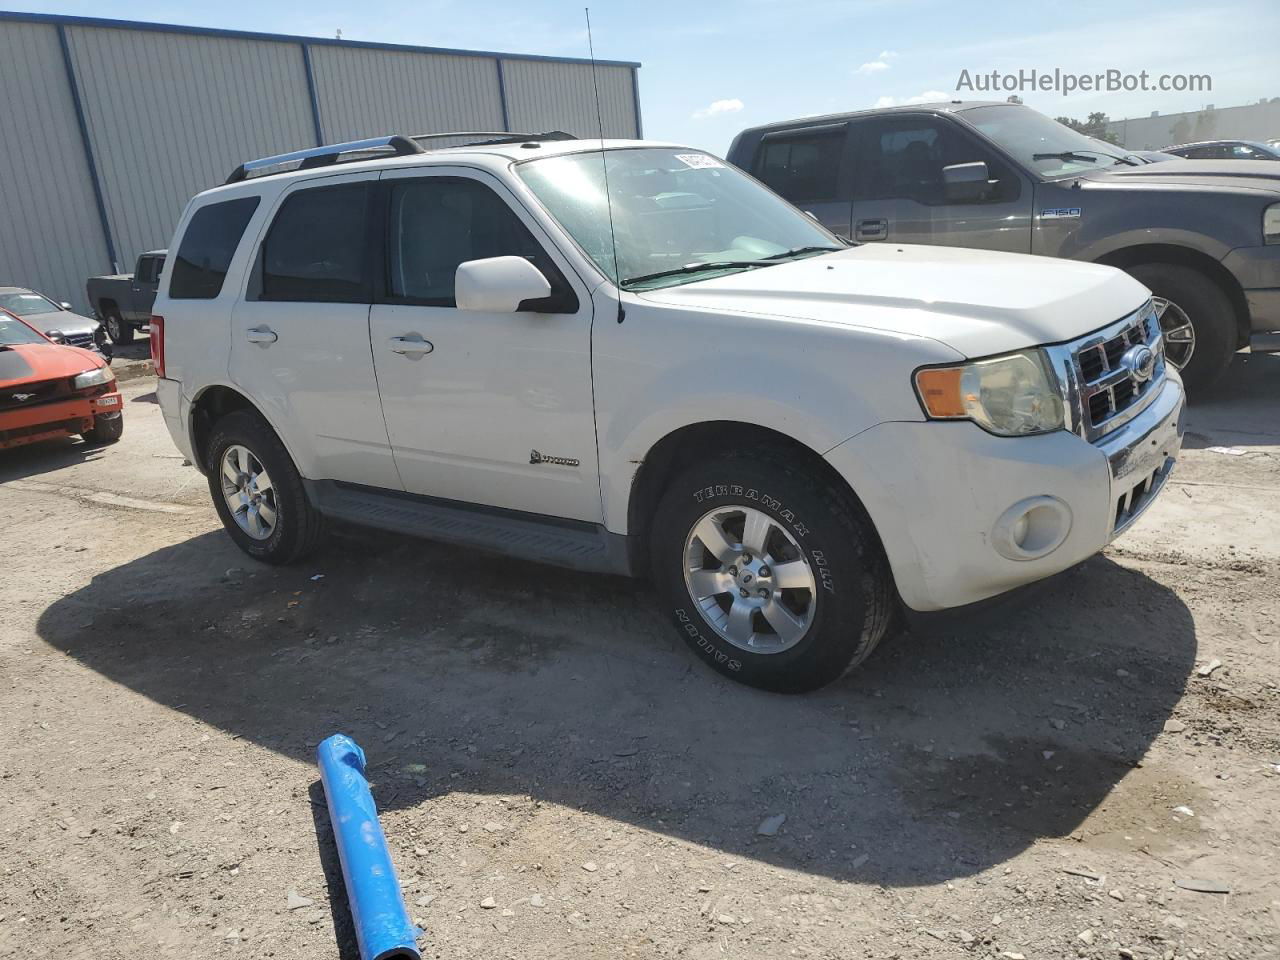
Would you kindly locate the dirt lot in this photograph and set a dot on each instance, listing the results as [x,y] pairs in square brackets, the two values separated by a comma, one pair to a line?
[560,778]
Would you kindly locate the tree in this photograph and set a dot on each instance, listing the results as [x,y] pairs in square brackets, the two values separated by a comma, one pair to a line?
[1095,126]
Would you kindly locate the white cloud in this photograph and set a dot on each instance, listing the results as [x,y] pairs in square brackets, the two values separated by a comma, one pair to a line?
[717,107]
[875,66]
[888,54]
[929,96]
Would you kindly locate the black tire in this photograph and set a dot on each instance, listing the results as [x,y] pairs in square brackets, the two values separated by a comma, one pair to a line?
[854,600]
[1212,318]
[118,330]
[105,430]
[299,527]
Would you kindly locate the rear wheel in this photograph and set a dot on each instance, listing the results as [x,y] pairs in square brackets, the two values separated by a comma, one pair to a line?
[1196,318]
[770,573]
[117,329]
[258,492]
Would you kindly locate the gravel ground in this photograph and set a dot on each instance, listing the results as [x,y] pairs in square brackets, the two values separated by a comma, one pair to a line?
[1074,774]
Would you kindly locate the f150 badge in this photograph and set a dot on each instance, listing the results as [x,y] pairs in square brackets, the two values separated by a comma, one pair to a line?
[1060,213]
[536,457]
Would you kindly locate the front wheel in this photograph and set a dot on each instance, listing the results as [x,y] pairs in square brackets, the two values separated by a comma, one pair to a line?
[105,430]
[772,575]
[258,492]
[1196,318]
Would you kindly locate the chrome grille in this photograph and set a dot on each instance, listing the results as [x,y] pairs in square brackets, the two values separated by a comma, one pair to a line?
[1102,388]
[78,340]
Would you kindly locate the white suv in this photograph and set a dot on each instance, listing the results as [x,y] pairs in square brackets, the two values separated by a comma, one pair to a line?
[629,357]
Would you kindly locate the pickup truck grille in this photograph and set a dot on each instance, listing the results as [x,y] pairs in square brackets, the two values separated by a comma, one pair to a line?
[1111,386]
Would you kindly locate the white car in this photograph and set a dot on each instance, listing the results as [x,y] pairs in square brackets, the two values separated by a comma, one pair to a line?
[668,371]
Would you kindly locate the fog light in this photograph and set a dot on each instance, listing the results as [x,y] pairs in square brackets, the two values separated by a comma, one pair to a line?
[1031,528]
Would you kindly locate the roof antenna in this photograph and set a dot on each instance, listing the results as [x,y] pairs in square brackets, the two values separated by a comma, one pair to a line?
[604,165]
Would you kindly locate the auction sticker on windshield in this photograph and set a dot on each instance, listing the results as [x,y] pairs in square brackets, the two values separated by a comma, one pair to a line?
[698,160]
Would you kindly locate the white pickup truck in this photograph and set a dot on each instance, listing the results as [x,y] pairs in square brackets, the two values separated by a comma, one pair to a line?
[665,371]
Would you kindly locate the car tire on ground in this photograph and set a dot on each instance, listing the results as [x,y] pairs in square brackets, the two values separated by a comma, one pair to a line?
[117,329]
[773,575]
[258,492]
[1192,297]
[105,430]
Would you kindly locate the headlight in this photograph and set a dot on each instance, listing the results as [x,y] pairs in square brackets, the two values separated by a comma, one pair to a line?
[1011,396]
[92,378]
[1271,224]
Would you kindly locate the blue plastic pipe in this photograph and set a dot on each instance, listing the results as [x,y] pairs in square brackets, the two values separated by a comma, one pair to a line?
[383,928]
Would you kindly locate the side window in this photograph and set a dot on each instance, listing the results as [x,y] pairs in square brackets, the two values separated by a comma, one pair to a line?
[1242,151]
[207,248]
[317,247]
[903,159]
[148,270]
[803,166]
[435,224]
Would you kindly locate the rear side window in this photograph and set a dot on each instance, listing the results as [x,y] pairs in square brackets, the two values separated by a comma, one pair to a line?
[801,166]
[207,248]
[317,248]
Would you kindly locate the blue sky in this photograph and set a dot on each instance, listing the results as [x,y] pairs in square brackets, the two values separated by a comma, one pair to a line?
[713,67]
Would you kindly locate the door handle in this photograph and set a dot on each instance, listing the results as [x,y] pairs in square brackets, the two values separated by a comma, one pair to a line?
[871,230]
[411,344]
[263,335]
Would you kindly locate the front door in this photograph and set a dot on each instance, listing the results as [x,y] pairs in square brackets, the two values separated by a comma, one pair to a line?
[300,333]
[899,195]
[483,408]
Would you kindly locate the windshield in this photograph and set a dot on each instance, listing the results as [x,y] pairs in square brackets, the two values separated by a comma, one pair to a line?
[26,304]
[13,330]
[679,215]
[1046,146]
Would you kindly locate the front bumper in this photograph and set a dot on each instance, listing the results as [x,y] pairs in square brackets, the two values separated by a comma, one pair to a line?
[941,494]
[63,418]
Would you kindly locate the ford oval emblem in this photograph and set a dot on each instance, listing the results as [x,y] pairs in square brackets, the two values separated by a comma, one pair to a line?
[1140,362]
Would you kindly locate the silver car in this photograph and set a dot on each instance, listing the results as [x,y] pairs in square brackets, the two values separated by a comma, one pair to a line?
[55,320]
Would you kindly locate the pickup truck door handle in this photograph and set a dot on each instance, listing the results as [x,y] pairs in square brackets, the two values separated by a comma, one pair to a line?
[260,335]
[411,344]
[871,230]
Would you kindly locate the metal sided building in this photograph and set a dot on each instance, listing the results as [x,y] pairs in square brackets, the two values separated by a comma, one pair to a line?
[108,127]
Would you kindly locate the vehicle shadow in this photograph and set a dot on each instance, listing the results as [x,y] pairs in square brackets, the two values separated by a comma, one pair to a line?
[48,456]
[951,750]
[1240,410]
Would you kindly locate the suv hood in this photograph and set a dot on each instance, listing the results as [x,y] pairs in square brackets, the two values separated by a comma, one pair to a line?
[975,301]
[1262,175]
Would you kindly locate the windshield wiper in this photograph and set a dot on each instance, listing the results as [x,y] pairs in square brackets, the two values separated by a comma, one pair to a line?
[696,268]
[797,251]
[1066,155]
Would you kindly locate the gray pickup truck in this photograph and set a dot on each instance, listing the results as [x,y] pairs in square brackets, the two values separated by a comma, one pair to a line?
[1204,236]
[123,302]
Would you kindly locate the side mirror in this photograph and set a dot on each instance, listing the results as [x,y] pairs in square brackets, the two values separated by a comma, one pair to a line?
[498,284]
[64,305]
[967,182]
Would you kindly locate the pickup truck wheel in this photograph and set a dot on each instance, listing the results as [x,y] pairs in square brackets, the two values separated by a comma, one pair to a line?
[258,492]
[1197,319]
[117,329]
[771,575]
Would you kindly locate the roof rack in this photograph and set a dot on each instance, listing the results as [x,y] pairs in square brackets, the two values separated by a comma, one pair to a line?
[323,156]
[397,145]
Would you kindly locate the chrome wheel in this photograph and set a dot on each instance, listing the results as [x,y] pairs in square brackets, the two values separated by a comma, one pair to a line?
[247,489]
[114,329]
[1179,334]
[750,579]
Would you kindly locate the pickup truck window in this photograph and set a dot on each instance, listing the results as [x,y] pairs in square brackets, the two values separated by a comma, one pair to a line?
[149,269]
[903,158]
[207,248]
[802,166]
[670,209]
[437,223]
[316,249]
[1040,144]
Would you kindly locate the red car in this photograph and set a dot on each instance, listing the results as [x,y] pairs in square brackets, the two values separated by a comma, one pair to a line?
[49,390]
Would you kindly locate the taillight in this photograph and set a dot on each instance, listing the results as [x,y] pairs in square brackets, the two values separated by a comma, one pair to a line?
[157,344]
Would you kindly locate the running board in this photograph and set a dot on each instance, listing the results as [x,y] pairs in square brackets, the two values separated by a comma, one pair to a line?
[529,536]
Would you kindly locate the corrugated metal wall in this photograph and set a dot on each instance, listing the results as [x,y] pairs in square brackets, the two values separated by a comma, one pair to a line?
[545,96]
[170,111]
[367,93]
[50,238]
[170,115]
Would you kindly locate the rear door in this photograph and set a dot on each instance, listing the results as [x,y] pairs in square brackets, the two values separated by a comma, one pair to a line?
[811,167]
[900,196]
[300,332]
[484,408]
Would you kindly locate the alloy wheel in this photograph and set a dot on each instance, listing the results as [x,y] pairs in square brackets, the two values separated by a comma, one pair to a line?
[248,492]
[1179,334]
